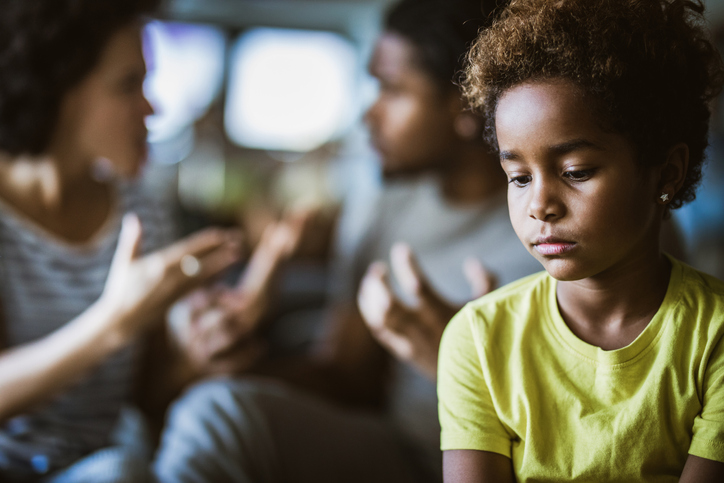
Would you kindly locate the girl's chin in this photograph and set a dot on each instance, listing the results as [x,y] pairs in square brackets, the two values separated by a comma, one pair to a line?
[564,270]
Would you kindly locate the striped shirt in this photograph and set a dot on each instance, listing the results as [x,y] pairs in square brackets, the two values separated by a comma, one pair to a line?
[45,283]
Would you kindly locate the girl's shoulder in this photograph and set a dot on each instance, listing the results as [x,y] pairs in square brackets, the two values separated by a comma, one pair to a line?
[697,294]
[535,288]
[701,281]
[511,307]
[691,283]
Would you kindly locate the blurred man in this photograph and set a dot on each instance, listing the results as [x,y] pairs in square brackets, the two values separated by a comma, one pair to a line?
[369,409]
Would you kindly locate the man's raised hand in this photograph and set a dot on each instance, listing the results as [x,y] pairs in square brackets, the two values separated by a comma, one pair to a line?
[412,332]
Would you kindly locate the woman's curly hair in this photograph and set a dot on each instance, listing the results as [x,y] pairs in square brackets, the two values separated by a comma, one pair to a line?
[46,48]
[648,67]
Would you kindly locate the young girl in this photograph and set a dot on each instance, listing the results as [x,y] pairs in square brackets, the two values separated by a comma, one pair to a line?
[609,367]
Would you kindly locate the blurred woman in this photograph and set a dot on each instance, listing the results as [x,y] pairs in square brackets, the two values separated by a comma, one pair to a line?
[83,279]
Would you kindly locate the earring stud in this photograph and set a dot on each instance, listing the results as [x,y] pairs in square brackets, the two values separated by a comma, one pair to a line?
[664,197]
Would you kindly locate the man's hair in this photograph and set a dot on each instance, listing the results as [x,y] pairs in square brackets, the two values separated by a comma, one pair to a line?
[46,48]
[647,67]
[441,31]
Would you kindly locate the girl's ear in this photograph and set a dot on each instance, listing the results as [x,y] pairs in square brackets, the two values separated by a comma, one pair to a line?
[673,171]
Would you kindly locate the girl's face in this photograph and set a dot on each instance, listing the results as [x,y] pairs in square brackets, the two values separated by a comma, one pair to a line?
[578,200]
[104,115]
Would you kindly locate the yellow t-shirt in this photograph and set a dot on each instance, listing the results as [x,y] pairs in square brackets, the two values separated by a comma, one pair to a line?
[513,379]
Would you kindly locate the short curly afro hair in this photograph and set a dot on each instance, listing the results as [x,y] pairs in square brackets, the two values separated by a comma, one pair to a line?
[442,31]
[46,48]
[647,65]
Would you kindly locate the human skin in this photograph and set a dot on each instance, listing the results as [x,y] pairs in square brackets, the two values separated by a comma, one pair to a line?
[412,125]
[412,333]
[411,122]
[100,117]
[583,207]
[104,115]
[216,328]
[420,127]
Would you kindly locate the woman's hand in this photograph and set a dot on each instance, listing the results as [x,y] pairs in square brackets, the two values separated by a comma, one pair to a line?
[212,336]
[215,328]
[136,295]
[139,290]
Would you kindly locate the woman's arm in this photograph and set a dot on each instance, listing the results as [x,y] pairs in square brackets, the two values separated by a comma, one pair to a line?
[31,373]
[702,470]
[135,296]
[472,466]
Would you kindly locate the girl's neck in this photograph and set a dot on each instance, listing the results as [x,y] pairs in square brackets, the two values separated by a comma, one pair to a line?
[474,176]
[611,309]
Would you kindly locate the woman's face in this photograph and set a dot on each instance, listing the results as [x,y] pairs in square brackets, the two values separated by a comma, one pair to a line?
[578,200]
[104,115]
[411,122]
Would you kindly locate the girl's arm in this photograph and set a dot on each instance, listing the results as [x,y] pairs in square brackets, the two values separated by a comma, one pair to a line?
[135,296]
[472,466]
[702,470]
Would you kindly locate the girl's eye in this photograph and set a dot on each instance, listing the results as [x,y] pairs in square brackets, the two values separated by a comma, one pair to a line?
[581,175]
[520,181]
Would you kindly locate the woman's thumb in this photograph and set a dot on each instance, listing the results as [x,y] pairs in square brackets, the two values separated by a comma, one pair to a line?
[129,240]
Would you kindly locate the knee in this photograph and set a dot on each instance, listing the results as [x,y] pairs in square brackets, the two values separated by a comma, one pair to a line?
[217,431]
[109,465]
[223,400]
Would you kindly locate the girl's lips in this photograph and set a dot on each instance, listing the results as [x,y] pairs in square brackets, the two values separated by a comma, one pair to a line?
[554,248]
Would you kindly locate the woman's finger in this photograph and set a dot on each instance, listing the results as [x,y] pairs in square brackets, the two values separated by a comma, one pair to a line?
[202,242]
[205,267]
[129,240]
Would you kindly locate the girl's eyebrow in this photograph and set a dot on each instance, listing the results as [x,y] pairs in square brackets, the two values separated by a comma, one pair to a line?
[574,145]
[559,149]
[508,156]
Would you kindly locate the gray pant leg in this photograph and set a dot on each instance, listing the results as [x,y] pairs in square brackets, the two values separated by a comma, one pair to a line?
[255,431]
[109,465]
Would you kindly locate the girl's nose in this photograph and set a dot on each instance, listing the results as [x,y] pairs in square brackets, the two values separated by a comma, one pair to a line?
[545,203]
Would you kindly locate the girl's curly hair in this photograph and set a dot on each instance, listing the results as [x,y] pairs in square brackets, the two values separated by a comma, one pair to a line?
[46,48]
[647,65]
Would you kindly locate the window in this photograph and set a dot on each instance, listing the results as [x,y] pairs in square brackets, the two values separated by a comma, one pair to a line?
[185,74]
[289,90]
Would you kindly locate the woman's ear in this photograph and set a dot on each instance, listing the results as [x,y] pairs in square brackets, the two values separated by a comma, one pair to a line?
[467,126]
[673,172]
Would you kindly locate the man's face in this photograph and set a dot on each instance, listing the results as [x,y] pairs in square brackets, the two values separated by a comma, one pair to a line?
[411,122]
